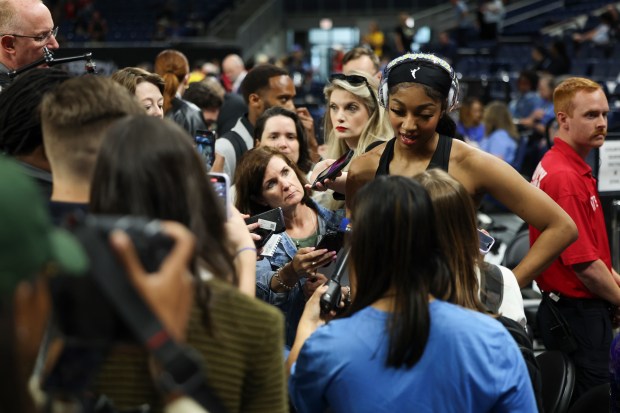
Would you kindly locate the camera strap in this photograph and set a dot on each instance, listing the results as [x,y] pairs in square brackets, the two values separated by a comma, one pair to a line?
[183,367]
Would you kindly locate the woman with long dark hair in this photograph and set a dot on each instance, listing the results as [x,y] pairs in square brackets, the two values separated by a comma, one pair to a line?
[281,128]
[400,346]
[148,167]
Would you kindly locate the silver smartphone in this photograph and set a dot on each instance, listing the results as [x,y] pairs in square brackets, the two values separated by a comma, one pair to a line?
[486,242]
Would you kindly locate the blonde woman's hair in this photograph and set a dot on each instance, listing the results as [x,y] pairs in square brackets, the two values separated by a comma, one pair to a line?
[497,116]
[377,128]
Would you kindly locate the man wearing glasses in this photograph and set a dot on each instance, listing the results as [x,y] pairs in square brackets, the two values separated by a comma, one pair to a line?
[26,27]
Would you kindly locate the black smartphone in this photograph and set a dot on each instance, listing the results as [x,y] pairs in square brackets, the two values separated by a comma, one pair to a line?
[332,171]
[221,184]
[332,241]
[270,222]
[205,144]
[486,242]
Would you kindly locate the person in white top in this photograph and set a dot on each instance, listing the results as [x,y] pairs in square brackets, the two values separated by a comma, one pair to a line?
[458,236]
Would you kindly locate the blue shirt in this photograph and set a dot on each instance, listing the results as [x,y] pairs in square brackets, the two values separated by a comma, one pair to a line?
[470,364]
[500,143]
[292,302]
[473,133]
[524,105]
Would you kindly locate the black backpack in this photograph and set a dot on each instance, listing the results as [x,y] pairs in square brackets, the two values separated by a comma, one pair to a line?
[491,295]
[237,142]
[524,343]
[491,287]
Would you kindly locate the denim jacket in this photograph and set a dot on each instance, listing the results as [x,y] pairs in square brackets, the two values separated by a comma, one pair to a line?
[291,302]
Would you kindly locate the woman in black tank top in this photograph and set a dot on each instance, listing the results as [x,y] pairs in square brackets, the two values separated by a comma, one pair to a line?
[418,90]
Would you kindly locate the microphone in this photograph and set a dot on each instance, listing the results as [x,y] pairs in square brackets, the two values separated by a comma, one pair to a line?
[49,60]
[331,298]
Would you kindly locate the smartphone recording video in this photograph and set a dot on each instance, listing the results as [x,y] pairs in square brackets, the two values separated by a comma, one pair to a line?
[334,169]
[205,144]
[221,184]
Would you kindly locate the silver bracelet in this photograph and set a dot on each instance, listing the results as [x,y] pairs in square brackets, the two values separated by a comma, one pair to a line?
[279,280]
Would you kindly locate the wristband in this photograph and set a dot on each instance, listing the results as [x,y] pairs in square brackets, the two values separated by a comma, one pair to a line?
[244,249]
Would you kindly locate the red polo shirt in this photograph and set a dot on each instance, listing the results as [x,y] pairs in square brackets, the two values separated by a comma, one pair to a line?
[568,180]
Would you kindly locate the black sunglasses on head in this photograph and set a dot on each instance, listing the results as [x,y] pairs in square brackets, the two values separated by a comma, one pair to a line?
[354,80]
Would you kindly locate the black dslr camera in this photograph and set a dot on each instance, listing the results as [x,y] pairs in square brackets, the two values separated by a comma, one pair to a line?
[82,307]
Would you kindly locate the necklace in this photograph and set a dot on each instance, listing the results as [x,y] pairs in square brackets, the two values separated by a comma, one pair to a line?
[302,242]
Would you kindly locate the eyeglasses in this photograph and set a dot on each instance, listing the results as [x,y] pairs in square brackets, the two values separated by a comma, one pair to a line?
[354,80]
[40,38]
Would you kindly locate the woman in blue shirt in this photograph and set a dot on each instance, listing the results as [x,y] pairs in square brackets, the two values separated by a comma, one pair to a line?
[400,347]
[500,132]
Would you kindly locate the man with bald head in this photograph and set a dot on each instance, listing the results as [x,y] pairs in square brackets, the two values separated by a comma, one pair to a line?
[234,69]
[26,27]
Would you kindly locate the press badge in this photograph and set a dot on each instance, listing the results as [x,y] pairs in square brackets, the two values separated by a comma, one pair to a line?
[270,247]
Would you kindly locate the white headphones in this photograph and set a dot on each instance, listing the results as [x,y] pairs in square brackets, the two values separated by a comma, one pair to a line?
[426,57]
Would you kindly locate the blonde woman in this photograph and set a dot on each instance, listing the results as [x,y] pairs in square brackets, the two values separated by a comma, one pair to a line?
[353,121]
[501,136]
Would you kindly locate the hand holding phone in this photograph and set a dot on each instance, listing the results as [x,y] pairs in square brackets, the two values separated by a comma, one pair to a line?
[334,169]
[486,241]
[221,185]
[331,241]
[205,144]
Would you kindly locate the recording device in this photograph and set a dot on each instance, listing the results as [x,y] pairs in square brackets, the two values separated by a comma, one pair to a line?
[270,222]
[486,242]
[103,306]
[49,60]
[205,144]
[331,298]
[82,307]
[221,185]
[334,169]
[334,240]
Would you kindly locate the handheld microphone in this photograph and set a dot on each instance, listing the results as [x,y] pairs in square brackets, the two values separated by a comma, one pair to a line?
[331,298]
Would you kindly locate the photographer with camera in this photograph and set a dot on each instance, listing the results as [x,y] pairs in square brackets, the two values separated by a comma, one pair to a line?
[33,253]
[148,167]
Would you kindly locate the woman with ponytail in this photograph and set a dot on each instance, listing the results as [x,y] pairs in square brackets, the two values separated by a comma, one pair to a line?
[173,67]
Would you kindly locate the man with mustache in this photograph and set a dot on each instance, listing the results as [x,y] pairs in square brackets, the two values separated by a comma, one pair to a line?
[580,286]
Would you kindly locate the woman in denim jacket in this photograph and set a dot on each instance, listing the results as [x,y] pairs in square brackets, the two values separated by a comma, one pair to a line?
[287,273]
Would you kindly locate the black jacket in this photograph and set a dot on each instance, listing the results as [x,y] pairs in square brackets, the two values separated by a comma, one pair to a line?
[187,115]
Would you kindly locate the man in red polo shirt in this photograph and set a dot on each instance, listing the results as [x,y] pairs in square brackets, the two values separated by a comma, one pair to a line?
[580,286]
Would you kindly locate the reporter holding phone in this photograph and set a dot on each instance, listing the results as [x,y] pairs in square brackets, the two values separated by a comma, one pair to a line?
[290,270]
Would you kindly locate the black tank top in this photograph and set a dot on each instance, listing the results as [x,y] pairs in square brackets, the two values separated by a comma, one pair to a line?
[440,158]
